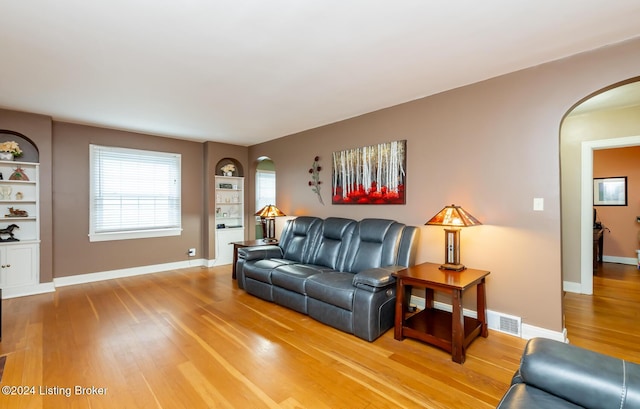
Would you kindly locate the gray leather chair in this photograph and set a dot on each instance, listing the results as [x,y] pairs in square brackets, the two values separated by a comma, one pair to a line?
[553,374]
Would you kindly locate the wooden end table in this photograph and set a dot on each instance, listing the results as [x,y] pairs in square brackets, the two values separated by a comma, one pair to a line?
[451,331]
[246,243]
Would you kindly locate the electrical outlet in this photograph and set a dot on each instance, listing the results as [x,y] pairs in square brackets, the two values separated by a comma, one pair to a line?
[191,252]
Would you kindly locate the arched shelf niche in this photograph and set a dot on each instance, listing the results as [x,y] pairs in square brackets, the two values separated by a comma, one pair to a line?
[236,168]
[29,149]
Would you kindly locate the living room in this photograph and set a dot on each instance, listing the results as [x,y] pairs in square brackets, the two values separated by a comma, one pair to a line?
[492,146]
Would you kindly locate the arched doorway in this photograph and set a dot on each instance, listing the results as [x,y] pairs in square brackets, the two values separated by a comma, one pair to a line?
[609,118]
[265,189]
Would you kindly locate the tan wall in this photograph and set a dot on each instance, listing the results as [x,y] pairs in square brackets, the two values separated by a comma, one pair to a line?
[621,236]
[576,129]
[74,254]
[490,147]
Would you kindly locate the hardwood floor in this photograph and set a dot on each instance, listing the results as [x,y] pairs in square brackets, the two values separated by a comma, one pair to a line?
[608,321]
[191,339]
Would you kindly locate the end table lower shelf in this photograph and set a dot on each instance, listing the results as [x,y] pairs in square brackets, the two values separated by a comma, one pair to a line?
[451,331]
[436,328]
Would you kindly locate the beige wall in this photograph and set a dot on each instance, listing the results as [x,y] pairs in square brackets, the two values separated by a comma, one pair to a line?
[491,147]
[576,129]
[621,236]
[73,252]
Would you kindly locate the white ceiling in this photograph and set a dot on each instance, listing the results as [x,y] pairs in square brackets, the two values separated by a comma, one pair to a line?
[247,71]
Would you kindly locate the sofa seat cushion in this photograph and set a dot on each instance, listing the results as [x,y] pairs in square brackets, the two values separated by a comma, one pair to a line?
[332,288]
[260,270]
[523,396]
[293,276]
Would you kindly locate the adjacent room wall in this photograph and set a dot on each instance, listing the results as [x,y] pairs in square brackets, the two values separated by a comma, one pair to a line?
[491,147]
[622,229]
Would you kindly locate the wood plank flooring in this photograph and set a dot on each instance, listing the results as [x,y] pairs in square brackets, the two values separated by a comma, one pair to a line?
[191,339]
[609,320]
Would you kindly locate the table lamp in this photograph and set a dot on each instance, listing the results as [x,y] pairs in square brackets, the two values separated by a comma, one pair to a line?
[268,216]
[454,217]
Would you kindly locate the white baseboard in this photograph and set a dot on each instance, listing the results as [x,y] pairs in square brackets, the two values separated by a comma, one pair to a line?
[571,287]
[530,331]
[527,331]
[23,291]
[633,261]
[102,275]
[126,272]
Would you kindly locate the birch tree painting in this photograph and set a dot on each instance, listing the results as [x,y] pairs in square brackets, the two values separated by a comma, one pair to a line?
[370,175]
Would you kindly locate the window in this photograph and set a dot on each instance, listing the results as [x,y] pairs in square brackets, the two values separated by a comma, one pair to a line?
[133,194]
[265,188]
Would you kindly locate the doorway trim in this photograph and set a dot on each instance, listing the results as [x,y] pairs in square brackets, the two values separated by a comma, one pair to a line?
[586,212]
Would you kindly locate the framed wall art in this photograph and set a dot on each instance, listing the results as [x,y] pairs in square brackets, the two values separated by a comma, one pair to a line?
[373,174]
[610,191]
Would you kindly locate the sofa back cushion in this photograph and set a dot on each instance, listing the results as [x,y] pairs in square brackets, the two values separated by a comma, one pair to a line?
[298,237]
[375,243]
[333,242]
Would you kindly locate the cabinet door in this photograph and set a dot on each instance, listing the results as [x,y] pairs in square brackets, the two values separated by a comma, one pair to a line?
[19,265]
[224,250]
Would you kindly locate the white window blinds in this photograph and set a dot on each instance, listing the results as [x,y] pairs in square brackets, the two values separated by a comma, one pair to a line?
[134,193]
[265,188]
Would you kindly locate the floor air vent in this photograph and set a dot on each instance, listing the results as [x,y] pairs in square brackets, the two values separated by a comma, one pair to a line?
[508,324]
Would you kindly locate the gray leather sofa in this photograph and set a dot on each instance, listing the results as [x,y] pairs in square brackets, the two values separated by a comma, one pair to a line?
[338,271]
[553,374]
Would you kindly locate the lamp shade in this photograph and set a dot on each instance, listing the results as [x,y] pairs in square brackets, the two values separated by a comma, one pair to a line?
[453,216]
[269,211]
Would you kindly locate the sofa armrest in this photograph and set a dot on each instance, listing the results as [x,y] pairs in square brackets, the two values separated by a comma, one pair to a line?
[584,377]
[259,252]
[376,278]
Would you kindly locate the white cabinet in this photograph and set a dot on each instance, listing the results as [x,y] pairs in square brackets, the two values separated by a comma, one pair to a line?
[18,265]
[229,216]
[224,248]
[19,214]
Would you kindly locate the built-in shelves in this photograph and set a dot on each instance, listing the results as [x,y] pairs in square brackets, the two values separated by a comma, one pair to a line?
[19,207]
[229,216]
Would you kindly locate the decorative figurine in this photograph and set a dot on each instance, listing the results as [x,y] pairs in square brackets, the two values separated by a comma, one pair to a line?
[17,213]
[9,230]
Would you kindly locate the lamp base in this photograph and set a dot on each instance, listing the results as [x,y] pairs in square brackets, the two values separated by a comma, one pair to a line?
[453,267]
[269,240]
